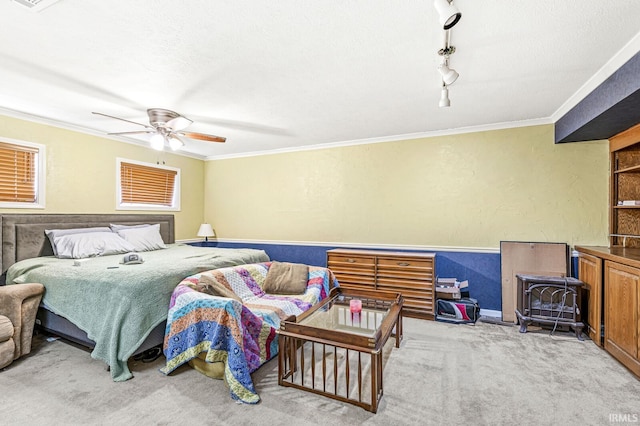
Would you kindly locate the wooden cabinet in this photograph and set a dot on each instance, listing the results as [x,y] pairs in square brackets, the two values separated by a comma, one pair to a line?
[411,274]
[590,273]
[617,271]
[622,299]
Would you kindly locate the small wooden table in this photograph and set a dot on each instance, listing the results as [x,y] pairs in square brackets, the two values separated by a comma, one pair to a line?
[331,351]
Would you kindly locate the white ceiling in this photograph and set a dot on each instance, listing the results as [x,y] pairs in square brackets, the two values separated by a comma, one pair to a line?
[292,73]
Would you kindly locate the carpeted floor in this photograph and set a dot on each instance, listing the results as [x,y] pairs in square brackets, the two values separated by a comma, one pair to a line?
[443,374]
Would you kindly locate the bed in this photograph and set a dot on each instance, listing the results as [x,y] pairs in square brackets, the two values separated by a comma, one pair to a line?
[117,310]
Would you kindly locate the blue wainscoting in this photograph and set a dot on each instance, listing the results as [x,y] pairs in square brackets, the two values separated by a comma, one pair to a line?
[482,270]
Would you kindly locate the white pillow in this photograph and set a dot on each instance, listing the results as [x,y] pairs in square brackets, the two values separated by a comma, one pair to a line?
[146,238]
[52,234]
[91,244]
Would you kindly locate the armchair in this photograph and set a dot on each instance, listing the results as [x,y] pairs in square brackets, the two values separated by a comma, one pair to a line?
[18,307]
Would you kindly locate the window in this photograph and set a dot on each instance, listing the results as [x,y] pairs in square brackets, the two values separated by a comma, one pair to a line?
[21,174]
[143,186]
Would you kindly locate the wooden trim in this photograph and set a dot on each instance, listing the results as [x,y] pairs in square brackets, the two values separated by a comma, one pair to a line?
[612,196]
[625,138]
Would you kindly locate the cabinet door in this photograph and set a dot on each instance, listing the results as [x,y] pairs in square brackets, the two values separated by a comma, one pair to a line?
[621,313]
[353,271]
[590,273]
[412,277]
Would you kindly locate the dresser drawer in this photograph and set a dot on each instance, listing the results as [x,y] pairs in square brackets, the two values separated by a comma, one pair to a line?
[351,277]
[402,284]
[401,275]
[412,306]
[344,262]
[410,264]
[408,294]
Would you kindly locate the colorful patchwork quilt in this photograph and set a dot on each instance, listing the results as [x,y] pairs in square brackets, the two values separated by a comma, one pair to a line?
[242,335]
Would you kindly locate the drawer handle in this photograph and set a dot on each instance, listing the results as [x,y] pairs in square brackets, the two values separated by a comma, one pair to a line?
[403,264]
[351,260]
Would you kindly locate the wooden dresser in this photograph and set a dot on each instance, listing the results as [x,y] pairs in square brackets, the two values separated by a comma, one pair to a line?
[408,273]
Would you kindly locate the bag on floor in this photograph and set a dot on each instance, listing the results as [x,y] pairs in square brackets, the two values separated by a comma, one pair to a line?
[461,311]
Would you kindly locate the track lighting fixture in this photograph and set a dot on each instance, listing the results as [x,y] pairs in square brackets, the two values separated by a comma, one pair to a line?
[449,14]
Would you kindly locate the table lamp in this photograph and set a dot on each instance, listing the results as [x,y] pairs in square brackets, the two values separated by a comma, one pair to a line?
[206,231]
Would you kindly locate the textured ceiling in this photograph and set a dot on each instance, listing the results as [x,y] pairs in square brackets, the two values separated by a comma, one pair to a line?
[292,73]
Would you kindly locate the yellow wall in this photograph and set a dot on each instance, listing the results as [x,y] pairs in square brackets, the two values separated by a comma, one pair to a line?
[81,173]
[467,190]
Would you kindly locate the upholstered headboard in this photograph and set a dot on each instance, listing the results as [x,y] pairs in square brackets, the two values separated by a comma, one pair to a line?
[23,235]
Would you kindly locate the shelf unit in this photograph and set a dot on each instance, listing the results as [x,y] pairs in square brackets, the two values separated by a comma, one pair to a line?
[624,224]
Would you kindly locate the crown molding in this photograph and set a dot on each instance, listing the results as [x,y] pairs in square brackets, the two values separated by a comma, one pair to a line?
[394,138]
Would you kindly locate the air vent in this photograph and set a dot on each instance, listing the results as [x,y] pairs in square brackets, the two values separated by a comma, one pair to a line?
[35,5]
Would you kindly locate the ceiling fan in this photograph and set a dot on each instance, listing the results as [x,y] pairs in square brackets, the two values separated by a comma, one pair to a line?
[165,127]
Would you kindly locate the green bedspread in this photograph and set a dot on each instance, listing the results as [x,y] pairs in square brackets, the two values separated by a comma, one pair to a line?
[119,305]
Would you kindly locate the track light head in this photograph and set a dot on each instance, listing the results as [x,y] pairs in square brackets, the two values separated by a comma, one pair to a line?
[444,98]
[449,14]
[449,75]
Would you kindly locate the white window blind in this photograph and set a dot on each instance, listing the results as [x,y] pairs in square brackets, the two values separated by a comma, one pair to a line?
[147,185]
[18,173]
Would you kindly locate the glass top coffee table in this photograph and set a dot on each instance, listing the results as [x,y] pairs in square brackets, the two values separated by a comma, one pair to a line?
[335,348]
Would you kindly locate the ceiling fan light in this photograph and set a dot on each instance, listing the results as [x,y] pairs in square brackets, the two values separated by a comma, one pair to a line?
[178,123]
[157,142]
[175,143]
[449,75]
[449,14]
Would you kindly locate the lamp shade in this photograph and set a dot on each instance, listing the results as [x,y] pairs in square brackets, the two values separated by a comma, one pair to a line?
[157,142]
[175,143]
[449,14]
[449,75]
[206,231]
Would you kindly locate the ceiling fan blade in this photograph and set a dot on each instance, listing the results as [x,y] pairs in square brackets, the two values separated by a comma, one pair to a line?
[202,137]
[122,119]
[139,132]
